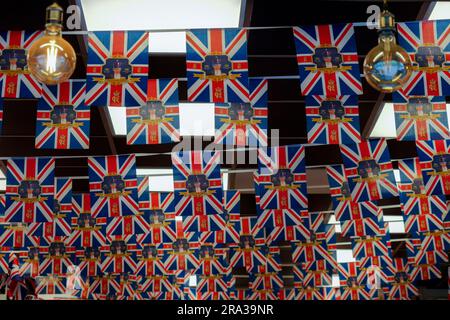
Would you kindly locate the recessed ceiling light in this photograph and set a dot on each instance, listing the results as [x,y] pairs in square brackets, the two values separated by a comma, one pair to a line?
[161,15]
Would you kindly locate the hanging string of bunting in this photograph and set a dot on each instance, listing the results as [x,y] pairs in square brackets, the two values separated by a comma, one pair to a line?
[120,240]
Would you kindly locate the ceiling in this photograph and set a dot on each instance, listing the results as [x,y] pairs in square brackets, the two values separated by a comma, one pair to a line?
[271,52]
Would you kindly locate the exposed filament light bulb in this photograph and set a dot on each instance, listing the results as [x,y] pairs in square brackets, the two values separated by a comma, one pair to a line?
[51,59]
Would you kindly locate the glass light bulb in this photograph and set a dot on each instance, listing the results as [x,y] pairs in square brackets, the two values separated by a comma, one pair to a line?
[51,59]
[387,66]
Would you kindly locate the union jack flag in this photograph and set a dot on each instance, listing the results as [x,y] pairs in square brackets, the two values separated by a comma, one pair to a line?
[317,293]
[197,183]
[218,295]
[309,251]
[29,190]
[377,270]
[263,295]
[366,226]
[327,60]
[318,278]
[276,218]
[244,124]
[369,170]
[344,207]
[117,68]
[428,45]
[113,185]
[420,223]
[211,260]
[434,158]
[217,68]
[149,263]
[143,192]
[62,117]
[87,230]
[51,285]
[119,256]
[352,283]
[16,79]
[402,288]
[160,219]
[282,178]
[332,120]
[325,264]
[212,283]
[414,197]
[157,120]
[89,260]
[180,253]
[127,225]
[60,226]
[286,294]
[265,281]
[205,223]
[19,236]
[245,253]
[420,117]
[232,228]
[371,246]
[58,257]
[104,285]
[425,272]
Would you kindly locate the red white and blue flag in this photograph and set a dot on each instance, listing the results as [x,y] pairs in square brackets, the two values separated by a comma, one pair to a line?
[245,123]
[19,236]
[282,178]
[117,68]
[30,190]
[434,158]
[217,67]
[157,120]
[15,77]
[113,186]
[420,117]
[332,120]
[428,45]
[369,170]
[327,60]
[63,120]
[197,183]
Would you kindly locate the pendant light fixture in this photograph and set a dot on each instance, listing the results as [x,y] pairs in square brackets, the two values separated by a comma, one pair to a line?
[51,59]
[387,66]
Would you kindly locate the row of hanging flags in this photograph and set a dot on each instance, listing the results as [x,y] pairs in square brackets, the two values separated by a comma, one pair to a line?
[121,241]
[217,72]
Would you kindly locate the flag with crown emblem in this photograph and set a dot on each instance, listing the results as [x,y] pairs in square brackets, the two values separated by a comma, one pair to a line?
[414,195]
[29,190]
[428,45]
[245,123]
[371,246]
[113,185]
[217,67]
[119,255]
[19,236]
[57,257]
[63,120]
[197,183]
[15,77]
[434,159]
[150,263]
[117,68]
[157,120]
[87,230]
[332,120]
[282,178]
[369,170]
[89,260]
[211,260]
[420,117]
[402,288]
[60,226]
[180,253]
[327,60]
[159,215]
[231,230]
